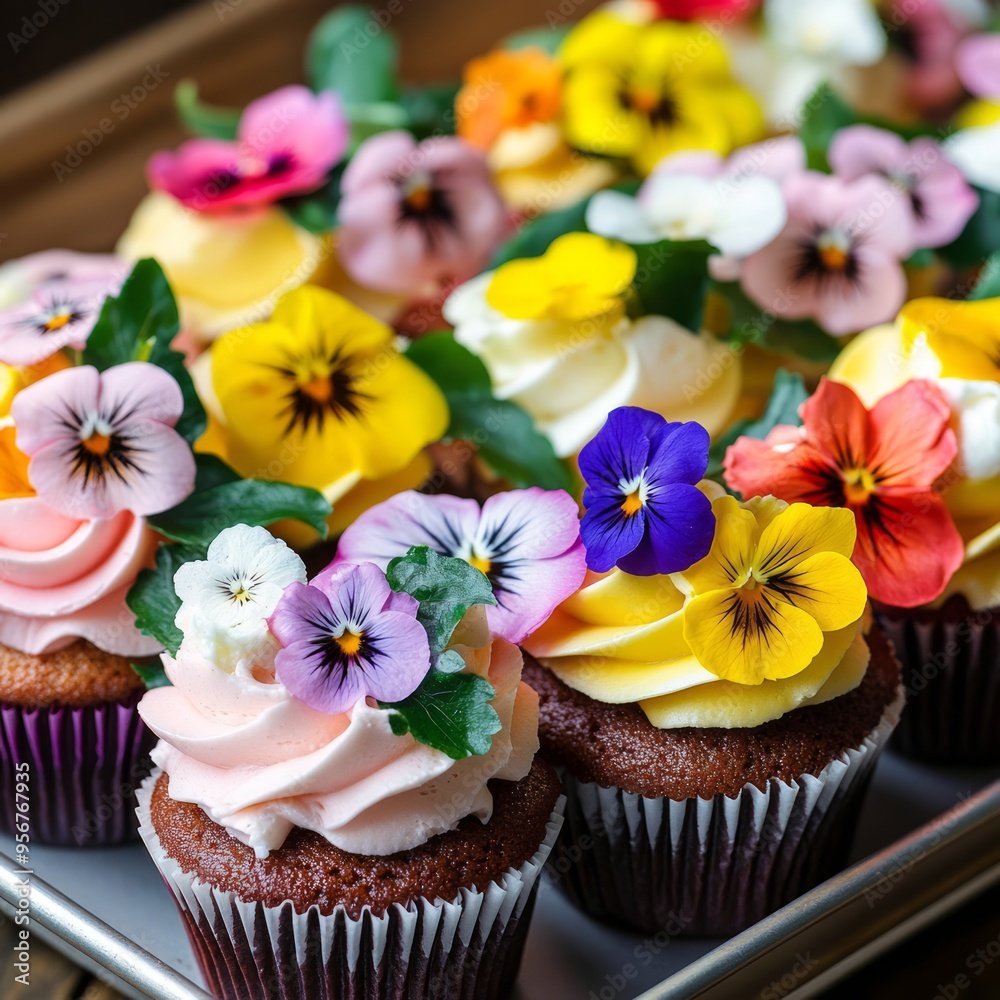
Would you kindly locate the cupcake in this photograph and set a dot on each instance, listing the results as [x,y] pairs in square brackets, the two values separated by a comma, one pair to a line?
[912,448]
[347,800]
[708,695]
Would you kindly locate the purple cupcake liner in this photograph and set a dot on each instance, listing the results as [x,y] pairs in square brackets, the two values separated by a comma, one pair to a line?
[83,768]
[951,671]
[466,949]
[710,867]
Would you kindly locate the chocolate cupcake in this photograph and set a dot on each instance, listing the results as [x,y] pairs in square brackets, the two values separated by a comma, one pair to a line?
[715,728]
[349,803]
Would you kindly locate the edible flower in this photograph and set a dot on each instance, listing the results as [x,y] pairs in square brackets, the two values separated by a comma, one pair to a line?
[347,636]
[839,258]
[643,91]
[777,578]
[527,542]
[287,143]
[104,442]
[703,10]
[579,277]
[881,465]
[644,512]
[977,61]
[415,215]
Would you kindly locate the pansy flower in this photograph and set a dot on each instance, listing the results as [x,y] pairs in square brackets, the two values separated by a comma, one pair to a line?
[527,542]
[778,577]
[347,636]
[940,200]
[414,215]
[643,91]
[644,512]
[287,144]
[104,442]
[839,258]
[977,61]
[882,465]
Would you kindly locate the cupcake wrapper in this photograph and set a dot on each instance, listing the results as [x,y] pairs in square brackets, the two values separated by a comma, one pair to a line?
[83,768]
[469,949]
[951,670]
[710,866]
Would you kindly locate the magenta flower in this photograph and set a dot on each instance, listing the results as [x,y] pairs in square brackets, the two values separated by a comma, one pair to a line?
[978,63]
[526,541]
[103,442]
[412,216]
[347,636]
[839,258]
[287,144]
[940,201]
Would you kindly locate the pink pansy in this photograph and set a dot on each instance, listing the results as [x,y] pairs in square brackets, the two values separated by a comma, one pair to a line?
[287,144]
[20,277]
[940,201]
[526,541]
[928,33]
[412,216]
[978,63]
[104,442]
[838,259]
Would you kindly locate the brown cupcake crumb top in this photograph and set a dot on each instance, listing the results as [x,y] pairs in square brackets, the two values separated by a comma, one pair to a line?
[309,870]
[617,746]
[78,676]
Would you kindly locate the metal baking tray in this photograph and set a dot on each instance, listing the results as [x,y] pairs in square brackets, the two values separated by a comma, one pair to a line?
[929,840]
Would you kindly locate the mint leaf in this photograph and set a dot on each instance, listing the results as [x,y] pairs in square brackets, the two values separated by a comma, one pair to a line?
[444,587]
[787,395]
[139,324]
[199,518]
[153,600]
[504,434]
[204,119]
[211,471]
[671,279]
[153,675]
[450,712]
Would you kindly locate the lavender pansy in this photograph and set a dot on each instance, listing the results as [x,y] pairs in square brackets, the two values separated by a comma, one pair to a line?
[527,542]
[644,512]
[347,636]
[104,442]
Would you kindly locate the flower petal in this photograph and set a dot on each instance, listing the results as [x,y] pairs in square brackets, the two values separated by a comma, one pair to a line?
[828,587]
[608,534]
[732,550]
[679,453]
[801,531]
[678,532]
[41,411]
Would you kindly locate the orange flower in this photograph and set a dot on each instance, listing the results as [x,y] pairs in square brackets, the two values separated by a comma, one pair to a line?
[507,89]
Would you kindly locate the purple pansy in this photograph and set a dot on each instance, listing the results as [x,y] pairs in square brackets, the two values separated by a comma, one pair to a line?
[526,541]
[644,512]
[346,636]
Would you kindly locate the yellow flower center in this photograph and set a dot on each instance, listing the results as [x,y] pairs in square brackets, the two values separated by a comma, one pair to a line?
[57,322]
[319,387]
[349,642]
[632,504]
[419,198]
[97,444]
[241,595]
[859,485]
[481,563]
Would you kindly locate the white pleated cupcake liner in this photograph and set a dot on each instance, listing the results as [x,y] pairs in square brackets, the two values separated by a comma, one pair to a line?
[711,867]
[458,949]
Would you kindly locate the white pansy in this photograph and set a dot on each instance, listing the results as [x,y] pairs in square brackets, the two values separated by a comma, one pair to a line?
[976,153]
[227,597]
[569,376]
[737,217]
[977,409]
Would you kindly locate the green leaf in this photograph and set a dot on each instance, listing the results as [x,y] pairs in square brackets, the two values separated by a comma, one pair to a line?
[444,587]
[671,279]
[787,395]
[139,324]
[153,600]
[317,211]
[981,236]
[450,712]
[204,119]
[988,283]
[503,433]
[352,53]
[430,110]
[153,675]
[199,518]
[211,471]
[547,39]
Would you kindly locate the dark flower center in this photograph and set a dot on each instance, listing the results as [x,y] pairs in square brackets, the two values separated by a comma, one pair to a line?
[657,106]
[829,255]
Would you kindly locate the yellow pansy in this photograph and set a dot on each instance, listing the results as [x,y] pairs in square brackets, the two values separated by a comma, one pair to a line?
[227,270]
[580,276]
[977,113]
[644,91]
[320,396]
[778,577]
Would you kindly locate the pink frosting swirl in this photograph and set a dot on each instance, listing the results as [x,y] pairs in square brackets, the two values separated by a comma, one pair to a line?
[260,762]
[63,579]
